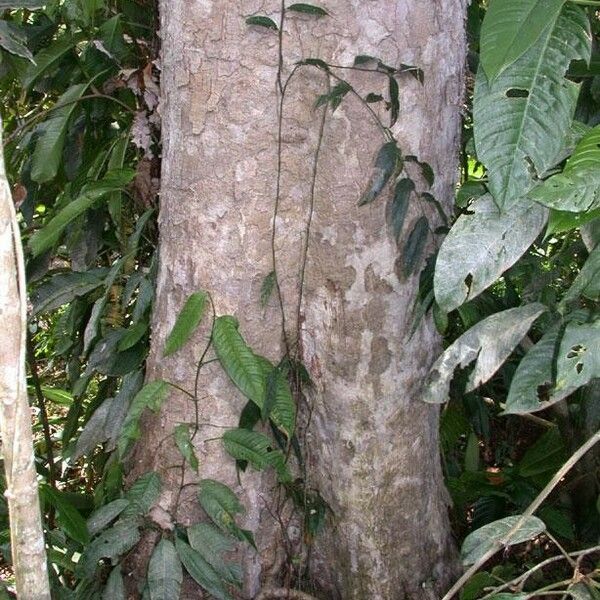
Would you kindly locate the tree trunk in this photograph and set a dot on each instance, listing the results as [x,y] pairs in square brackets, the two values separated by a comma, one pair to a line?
[371,446]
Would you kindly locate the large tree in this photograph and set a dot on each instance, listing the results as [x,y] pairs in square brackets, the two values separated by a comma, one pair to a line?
[343,303]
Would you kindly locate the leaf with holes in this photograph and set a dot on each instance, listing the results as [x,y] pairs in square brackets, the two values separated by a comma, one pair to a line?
[237,359]
[183,441]
[188,319]
[398,207]
[533,380]
[511,27]
[386,163]
[308,9]
[512,113]
[257,449]
[262,21]
[489,343]
[164,572]
[578,360]
[481,246]
[415,244]
[476,544]
[576,191]
[201,571]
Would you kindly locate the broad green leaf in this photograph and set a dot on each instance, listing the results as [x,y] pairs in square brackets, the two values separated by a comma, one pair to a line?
[132,336]
[164,572]
[476,544]
[49,56]
[49,234]
[142,495]
[398,207]
[533,380]
[522,118]
[472,453]
[188,319]
[105,515]
[29,4]
[183,441]
[58,396]
[578,360]
[69,518]
[414,246]
[13,42]
[63,288]
[562,220]
[335,96]
[575,191]
[262,21]
[546,455]
[581,591]
[48,152]
[394,102]
[308,9]
[201,571]
[211,544]
[587,282]
[237,359]
[221,505]
[586,152]
[481,246]
[283,409]
[511,27]
[386,163]
[489,343]
[115,588]
[151,396]
[257,449]
[112,544]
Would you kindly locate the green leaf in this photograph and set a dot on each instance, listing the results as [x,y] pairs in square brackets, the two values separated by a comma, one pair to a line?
[48,152]
[399,205]
[415,244]
[237,359]
[481,246]
[511,27]
[489,343]
[266,288]
[282,409]
[472,453]
[394,102]
[386,163]
[201,571]
[587,282]
[188,319]
[221,505]
[512,114]
[183,441]
[68,517]
[114,589]
[578,360]
[560,221]
[165,575]
[63,288]
[335,96]
[308,9]
[531,384]
[257,449]
[12,41]
[476,544]
[16,4]
[111,544]
[546,455]
[151,396]
[262,21]
[105,515]
[49,234]
[49,56]
[132,336]
[142,495]
[211,544]
[575,192]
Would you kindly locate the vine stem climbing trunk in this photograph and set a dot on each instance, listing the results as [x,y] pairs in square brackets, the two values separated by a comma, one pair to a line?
[370,445]
[26,535]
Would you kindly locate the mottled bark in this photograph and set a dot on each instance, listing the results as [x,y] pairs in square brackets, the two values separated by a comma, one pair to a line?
[371,446]
[26,535]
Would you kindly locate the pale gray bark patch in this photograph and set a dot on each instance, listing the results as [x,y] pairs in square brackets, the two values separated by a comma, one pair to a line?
[372,445]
